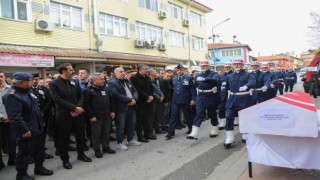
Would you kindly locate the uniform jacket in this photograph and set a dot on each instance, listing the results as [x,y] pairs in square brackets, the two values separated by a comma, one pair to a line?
[121,100]
[262,79]
[233,82]
[280,76]
[67,95]
[98,102]
[2,108]
[166,89]
[290,78]
[183,90]
[157,94]
[207,99]
[223,92]
[44,98]
[23,111]
[143,86]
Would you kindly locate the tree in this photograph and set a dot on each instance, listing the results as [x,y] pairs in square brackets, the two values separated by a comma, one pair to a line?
[314,29]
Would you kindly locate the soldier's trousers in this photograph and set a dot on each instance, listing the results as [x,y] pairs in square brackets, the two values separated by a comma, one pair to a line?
[30,147]
[230,115]
[175,111]
[212,114]
[287,88]
[279,88]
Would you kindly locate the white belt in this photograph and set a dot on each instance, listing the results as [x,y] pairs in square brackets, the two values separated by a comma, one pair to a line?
[214,90]
[280,79]
[289,77]
[258,89]
[239,93]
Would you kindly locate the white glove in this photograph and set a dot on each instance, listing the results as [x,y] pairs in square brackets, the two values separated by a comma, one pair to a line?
[272,85]
[243,88]
[224,83]
[264,88]
[201,79]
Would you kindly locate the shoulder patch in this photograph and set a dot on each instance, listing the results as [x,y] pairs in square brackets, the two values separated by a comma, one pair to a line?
[12,91]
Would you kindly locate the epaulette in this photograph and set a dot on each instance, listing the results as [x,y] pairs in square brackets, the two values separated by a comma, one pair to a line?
[12,91]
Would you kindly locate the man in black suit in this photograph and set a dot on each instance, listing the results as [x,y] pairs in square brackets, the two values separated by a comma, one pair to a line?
[67,96]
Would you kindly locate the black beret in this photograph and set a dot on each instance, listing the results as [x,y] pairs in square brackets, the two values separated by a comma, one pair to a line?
[35,75]
[180,66]
[22,76]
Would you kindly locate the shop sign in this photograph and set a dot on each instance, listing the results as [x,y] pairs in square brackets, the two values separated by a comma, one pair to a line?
[24,60]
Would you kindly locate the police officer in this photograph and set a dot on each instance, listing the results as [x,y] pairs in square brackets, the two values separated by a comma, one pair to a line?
[23,111]
[182,99]
[262,83]
[238,85]
[280,83]
[208,99]
[224,95]
[290,79]
[271,91]
[45,103]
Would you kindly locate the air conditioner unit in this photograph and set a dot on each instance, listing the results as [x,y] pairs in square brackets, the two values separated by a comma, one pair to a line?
[138,43]
[162,47]
[186,22]
[162,14]
[44,25]
[150,43]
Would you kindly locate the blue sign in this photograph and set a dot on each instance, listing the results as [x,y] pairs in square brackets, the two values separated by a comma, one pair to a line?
[217,59]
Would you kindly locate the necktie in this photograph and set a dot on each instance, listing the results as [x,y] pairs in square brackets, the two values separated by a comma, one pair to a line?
[179,77]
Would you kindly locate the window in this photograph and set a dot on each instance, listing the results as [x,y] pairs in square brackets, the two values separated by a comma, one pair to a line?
[177,38]
[66,16]
[197,43]
[195,19]
[149,4]
[126,1]
[231,52]
[113,25]
[148,32]
[16,9]
[175,11]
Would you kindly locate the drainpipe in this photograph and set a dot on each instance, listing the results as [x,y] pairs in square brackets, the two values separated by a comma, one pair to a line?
[96,27]
[189,39]
[90,23]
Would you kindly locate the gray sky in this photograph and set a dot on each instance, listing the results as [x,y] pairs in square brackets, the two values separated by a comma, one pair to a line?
[268,26]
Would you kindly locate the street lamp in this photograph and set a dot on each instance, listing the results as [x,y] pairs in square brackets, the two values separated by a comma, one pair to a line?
[213,39]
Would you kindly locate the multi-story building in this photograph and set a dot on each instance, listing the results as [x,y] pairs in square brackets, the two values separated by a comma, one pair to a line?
[307,57]
[41,34]
[276,61]
[227,52]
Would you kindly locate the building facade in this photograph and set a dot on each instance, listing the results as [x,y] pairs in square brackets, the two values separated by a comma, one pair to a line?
[41,34]
[307,57]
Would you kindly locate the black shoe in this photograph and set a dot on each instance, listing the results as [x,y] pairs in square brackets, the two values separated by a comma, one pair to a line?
[98,154]
[221,128]
[159,131]
[178,127]
[31,160]
[151,137]
[24,176]
[227,146]
[43,172]
[188,132]
[86,148]
[57,153]
[141,139]
[168,137]
[71,141]
[12,162]
[47,156]
[108,150]
[244,141]
[191,137]
[70,148]
[165,129]
[111,138]
[84,158]
[182,125]
[67,165]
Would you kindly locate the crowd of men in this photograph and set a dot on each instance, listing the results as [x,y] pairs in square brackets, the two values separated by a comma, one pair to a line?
[146,101]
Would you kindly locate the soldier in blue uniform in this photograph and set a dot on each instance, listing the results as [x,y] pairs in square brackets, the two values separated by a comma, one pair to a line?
[24,113]
[280,83]
[271,91]
[262,83]
[290,79]
[208,99]
[183,98]
[238,84]
[223,95]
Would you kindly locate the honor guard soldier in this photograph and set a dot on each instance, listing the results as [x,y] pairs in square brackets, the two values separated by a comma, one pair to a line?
[262,83]
[280,83]
[208,99]
[272,78]
[25,115]
[290,79]
[238,84]
[223,95]
[183,98]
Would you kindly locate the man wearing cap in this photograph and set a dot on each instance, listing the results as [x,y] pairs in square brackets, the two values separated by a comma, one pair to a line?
[273,79]
[223,94]
[182,99]
[25,115]
[207,99]
[290,79]
[262,83]
[68,99]
[280,83]
[238,84]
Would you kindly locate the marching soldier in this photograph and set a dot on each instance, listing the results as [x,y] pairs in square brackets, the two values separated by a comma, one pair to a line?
[280,83]
[223,95]
[273,80]
[262,83]
[208,98]
[182,98]
[290,79]
[238,84]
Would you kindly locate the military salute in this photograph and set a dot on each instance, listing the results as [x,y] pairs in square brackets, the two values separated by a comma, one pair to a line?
[208,99]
